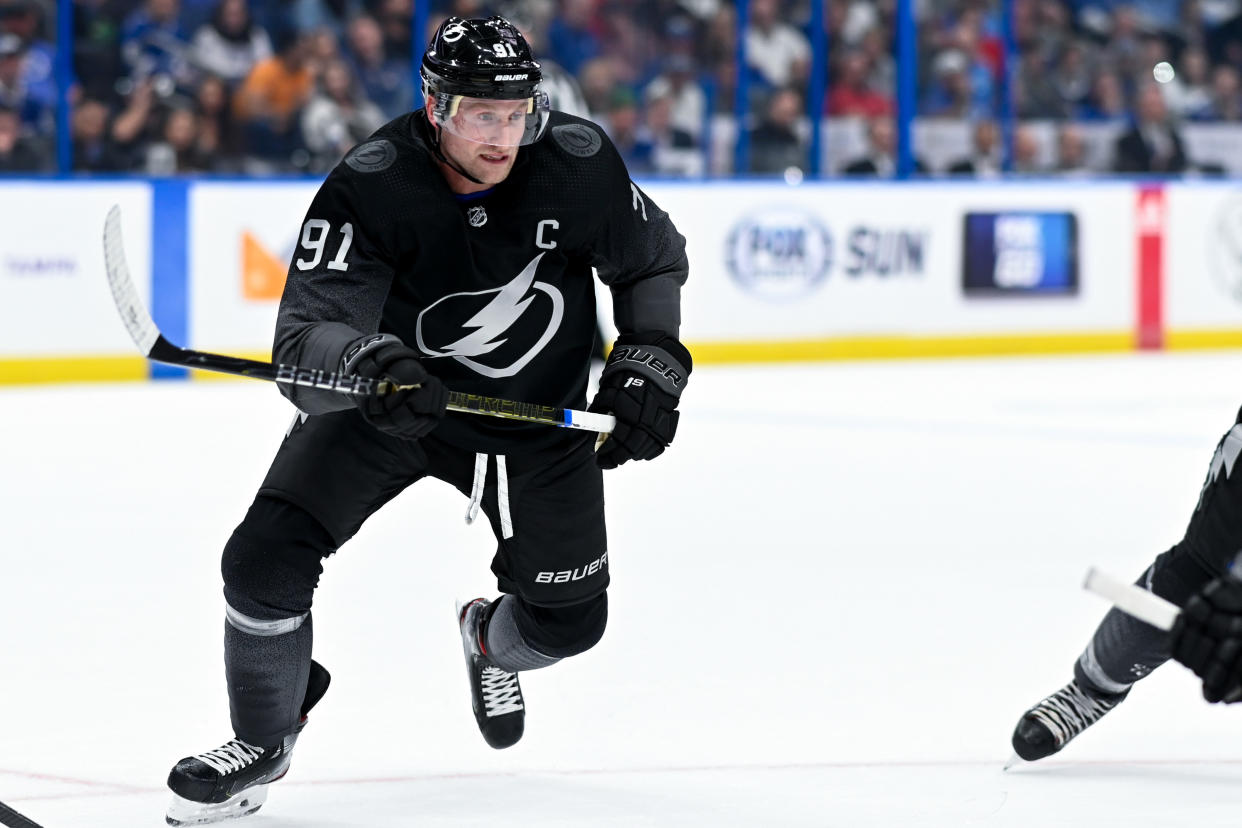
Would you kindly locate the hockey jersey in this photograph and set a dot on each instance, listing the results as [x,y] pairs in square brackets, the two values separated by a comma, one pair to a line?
[496,291]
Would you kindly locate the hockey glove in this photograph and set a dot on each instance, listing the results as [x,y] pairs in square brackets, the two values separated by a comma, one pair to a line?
[1207,638]
[408,414]
[640,386]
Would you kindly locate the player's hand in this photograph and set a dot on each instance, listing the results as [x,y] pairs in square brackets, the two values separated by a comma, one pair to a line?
[408,414]
[1207,638]
[640,386]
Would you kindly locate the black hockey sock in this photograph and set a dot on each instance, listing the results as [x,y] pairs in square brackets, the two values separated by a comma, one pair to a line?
[506,647]
[1124,649]
[267,665]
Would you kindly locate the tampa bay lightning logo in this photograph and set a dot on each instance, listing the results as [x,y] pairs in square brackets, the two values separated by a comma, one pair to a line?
[510,324]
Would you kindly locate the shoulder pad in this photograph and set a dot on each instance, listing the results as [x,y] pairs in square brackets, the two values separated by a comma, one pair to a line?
[577,138]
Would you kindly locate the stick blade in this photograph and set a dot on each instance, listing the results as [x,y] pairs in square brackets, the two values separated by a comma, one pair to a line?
[1132,599]
[135,316]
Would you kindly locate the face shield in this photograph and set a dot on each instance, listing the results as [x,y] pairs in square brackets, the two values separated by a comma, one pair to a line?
[492,121]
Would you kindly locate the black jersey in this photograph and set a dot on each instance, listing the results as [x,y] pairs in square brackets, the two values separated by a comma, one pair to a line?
[496,291]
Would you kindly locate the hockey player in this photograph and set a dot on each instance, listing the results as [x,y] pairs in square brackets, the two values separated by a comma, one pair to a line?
[454,248]
[1124,649]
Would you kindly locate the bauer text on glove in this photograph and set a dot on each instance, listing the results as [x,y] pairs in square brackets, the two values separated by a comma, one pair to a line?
[641,385]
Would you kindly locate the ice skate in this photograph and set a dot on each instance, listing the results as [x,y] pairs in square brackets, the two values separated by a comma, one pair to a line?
[1050,725]
[231,781]
[495,695]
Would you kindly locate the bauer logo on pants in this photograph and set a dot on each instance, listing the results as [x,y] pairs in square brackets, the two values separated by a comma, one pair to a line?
[564,576]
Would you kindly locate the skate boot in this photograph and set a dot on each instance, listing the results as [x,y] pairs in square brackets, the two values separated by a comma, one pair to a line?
[1050,725]
[495,695]
[231,781]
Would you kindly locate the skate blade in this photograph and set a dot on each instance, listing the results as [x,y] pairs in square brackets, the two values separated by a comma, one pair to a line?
[182,811]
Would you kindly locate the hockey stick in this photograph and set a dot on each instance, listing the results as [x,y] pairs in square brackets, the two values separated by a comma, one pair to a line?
[13,819]
[154,346]
[1133,599]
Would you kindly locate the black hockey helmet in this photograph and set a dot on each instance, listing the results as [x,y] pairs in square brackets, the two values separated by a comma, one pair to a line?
[487,59]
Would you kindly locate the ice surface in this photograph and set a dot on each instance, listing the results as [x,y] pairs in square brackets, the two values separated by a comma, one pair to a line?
[831,601]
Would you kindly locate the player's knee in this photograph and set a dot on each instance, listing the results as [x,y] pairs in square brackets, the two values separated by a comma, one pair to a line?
[272,562]
[563,631]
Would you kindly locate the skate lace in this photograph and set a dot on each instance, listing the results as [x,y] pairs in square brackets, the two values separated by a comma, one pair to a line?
[501,693]
[1070,711]
[230,757]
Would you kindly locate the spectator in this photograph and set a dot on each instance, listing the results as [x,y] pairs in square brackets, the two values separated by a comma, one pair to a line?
[25,18]
[153,42]
[270,99]
[1072,77]
[1188,95]
[96,47]
[880,159]
[1025,159]
[231,44]
[394,18]
[984,160]
[1151,145]
[1071,153]
[19,153]
[687,101]
[337,118]
[852,94]
[776,51]
[674,150]
[177,151]
[775,145]
[1224,102]
[216,139]
[1107,101]
[949,94]
[572,37]
[624,127]
[36,112]
[386,81]
[93,132]
[599,85]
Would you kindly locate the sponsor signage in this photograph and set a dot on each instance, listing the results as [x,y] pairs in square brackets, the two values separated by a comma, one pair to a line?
[54,299]
[1020,253]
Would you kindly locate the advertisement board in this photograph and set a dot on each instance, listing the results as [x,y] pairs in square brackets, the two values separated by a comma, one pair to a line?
[1203,291]
[241,238]
[770,261]
[54,297]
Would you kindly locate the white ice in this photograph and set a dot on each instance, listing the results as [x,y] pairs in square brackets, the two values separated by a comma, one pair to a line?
[831,601]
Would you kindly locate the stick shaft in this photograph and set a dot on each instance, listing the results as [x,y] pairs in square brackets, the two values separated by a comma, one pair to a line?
[155,346]
[1132,599]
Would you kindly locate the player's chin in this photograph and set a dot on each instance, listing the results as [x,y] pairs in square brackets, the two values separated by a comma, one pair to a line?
[493,167]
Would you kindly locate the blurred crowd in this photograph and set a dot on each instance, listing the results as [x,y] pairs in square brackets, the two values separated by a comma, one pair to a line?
[260,87]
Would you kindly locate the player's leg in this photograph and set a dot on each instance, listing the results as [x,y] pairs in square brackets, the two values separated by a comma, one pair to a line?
[1123,649]
[547,511]
[329,475]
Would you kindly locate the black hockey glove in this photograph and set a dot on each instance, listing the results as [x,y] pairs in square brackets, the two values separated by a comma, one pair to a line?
[408,414]
[640,386]
[1207,638]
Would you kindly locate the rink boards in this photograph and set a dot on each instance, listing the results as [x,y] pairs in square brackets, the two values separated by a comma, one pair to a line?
[820,270]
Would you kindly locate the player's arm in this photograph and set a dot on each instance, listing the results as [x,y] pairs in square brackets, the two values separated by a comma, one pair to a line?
[339,279]
[642,258]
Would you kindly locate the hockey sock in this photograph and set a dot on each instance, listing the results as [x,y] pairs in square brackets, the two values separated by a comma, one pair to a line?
[1124,649]
[267,665]
[506,647]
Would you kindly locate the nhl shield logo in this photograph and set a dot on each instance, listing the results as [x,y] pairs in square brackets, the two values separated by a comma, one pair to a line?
[477,216]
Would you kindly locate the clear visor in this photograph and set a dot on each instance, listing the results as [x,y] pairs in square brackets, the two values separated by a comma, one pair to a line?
[496,123]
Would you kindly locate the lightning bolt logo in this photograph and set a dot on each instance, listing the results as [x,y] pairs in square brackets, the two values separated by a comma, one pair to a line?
[492,323]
